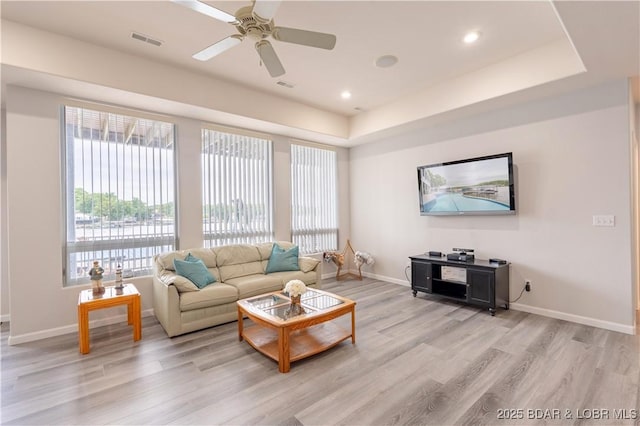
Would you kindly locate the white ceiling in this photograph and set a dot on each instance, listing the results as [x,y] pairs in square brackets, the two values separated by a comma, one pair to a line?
[426,36]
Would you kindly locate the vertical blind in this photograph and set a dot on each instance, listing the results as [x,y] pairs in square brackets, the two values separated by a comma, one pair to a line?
[314,218]
[237,188]
[120,192]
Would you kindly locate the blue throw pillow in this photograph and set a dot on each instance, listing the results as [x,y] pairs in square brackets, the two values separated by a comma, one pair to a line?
[283,260]
[194,270]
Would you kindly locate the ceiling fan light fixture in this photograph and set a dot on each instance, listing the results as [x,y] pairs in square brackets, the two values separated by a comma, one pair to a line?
[471,37]
[345,94]
[264,10]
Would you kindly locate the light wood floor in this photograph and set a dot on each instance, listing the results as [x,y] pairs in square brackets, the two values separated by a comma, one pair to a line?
[416,361]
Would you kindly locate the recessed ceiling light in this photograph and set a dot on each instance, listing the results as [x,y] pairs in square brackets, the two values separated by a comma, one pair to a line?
[386,61]
[345,94]
[471,37]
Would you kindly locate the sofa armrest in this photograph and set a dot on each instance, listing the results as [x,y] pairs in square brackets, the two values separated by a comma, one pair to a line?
[166,306]
[317,269]
[181,283]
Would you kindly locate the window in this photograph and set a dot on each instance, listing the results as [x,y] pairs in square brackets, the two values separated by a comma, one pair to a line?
[314,218]
[119,197]
[236,189]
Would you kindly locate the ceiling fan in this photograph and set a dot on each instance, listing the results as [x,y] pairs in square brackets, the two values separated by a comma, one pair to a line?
[256,22]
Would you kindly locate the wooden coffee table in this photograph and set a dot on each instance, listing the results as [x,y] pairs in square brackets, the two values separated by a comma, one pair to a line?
[285,338]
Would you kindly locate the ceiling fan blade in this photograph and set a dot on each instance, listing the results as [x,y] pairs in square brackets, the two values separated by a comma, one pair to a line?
[269,58]
[265,10]
[306,38]
[219,47]
[205,9]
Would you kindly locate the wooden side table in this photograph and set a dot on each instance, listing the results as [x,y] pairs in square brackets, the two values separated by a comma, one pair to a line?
[88,301]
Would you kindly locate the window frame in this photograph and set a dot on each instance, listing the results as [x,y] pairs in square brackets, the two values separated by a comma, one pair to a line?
[297,234]
[165,242]
[252,237]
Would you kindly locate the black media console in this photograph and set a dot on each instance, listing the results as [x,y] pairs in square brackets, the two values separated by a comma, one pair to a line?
[477,282]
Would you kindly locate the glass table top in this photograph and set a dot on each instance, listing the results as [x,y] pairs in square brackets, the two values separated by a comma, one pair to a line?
[279,306]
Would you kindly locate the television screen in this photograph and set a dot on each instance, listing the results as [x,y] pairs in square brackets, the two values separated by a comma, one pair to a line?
[482,185]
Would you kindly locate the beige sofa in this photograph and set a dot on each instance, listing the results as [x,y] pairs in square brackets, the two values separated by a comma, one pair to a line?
[181,307]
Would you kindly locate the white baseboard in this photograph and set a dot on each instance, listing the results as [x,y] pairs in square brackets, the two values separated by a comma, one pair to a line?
[607,325]
[372,275]
[71,328]
[387,279]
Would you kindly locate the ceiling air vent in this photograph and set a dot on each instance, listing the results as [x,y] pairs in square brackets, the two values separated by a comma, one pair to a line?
[146,39]
[285,84]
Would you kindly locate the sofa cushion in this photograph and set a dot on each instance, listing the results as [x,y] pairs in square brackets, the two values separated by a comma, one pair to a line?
[238,260]
[236,253]
[212,295]
[283,260]
[265,248]
[253,285]
[307,263]
[205,254]
[195,271]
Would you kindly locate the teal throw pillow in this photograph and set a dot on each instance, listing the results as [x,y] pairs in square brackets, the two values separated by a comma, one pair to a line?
[194,270]
[283,260]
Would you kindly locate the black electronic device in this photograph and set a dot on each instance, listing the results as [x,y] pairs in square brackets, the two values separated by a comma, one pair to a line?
[462,255]
[498,261]
[435,253]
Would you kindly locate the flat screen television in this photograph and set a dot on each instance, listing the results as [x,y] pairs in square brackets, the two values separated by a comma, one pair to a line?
[475,186]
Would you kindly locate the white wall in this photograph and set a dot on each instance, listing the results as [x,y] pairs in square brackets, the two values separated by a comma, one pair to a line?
[571,157]
[40,305]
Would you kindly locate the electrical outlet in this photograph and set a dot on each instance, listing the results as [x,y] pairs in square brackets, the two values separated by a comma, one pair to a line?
[527,285]
[604,220]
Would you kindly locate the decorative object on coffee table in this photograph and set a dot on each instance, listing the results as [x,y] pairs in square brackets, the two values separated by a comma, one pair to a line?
[295,308]
[96,277]
[295,289]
